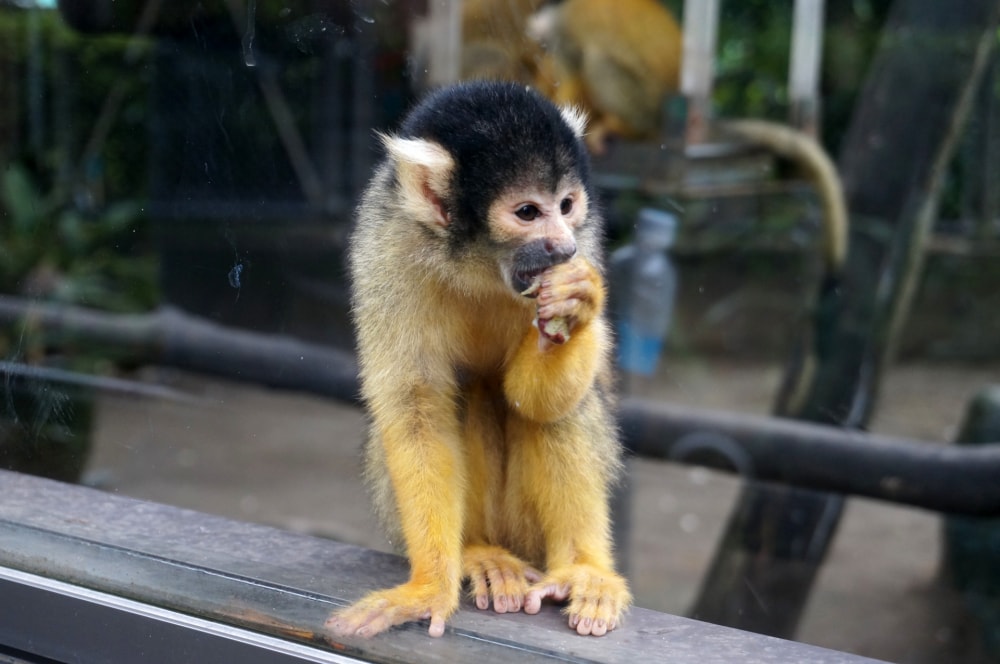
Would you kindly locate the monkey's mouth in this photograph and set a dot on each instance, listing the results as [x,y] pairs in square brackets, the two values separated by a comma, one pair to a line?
[527,282]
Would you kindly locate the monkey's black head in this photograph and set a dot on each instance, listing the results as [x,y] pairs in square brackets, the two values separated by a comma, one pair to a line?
[501,137]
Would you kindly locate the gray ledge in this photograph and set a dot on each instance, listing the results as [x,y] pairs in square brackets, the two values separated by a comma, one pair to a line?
[253,579]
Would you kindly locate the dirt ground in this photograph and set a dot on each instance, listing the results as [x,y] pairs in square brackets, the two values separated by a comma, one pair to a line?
[292,460]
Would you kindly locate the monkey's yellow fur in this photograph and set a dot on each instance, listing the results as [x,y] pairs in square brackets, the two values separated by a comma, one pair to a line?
[492,450]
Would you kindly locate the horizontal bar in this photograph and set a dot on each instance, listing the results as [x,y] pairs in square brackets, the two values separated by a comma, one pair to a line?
[936,476]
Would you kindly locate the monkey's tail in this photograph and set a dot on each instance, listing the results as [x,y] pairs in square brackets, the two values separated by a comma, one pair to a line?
[803,150]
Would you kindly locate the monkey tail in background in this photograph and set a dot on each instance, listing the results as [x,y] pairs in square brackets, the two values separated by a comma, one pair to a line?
[810,157]
[803,150]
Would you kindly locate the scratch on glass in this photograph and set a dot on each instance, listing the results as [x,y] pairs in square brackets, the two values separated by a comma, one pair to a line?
[235,274]
[248,56]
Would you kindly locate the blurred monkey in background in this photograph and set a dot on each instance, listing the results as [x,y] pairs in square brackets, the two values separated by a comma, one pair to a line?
[615,59]
[618,60]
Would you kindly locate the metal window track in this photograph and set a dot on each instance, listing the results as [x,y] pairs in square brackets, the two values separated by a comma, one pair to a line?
[85,625]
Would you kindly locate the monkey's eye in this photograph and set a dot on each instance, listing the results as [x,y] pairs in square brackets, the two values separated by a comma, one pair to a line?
[566,206]
[528,212]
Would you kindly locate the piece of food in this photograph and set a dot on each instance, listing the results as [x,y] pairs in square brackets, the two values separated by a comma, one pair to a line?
[555,329]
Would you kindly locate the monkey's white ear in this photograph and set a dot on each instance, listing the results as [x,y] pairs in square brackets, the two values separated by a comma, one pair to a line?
[576,118]
[424,169]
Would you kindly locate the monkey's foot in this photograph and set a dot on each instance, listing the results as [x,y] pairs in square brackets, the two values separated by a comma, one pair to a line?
[383,609]
[597,598]
[495,573]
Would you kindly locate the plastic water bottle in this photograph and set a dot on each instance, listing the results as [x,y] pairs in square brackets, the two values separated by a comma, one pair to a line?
[643,285]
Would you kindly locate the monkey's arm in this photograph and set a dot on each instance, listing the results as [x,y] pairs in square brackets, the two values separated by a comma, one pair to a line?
[570,450]
[544,380]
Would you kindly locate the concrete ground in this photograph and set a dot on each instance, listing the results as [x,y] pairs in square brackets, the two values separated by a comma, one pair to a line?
[292,460]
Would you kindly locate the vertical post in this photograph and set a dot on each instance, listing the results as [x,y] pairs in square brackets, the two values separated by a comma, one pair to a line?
[971,545]
[804,64]
[701,23]
[988,211]
[445,42]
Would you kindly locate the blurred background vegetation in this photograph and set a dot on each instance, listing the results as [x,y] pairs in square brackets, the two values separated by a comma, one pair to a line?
[74,176]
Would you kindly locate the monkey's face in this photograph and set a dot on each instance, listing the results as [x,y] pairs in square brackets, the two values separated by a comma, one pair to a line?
[537,230]
[498,175]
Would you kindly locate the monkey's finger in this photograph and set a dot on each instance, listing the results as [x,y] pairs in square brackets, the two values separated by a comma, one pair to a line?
[575,269]
[514,589]
[364,623]
[343,623]
[581,290]
[436,628]
[564,308]
[587,627]
[595,615]
[582,618]
[592,627]
[558,289]
[565,277]
[498,586]
[533,600]
[480,590]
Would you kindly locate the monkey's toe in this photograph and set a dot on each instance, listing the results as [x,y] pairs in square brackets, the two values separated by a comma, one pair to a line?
[497,576]
[381,610]
[597,598]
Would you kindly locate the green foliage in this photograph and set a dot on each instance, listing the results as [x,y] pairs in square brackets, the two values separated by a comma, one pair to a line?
[753,59]
[72,76]
[51,249]
[59,239]
[752,67]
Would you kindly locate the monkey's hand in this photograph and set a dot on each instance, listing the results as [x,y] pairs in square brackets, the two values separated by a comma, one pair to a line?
[495,574]
[598,598]
[547,377]
[381,610]
[569,296]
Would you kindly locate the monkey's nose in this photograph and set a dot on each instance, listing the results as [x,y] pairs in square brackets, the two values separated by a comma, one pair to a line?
[560,251]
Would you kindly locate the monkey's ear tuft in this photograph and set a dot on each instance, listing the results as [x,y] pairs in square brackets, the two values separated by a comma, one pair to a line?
[424,170]
[576,118]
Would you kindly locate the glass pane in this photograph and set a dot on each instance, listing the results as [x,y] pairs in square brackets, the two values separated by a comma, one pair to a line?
[178,184]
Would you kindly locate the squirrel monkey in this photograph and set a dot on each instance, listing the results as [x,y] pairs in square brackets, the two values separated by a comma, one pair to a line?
[495,42]
[478,300]
[618,60]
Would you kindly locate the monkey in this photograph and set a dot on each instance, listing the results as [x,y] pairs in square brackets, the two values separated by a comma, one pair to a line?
[484,358]
[616,60]
[495,41]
